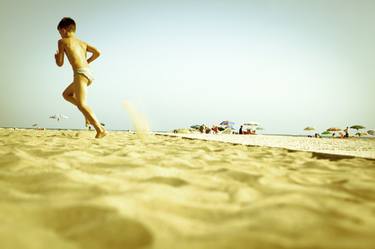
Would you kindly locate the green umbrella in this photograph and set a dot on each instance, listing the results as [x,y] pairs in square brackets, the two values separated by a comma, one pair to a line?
[259,128]
[309,128]
[371,132]
[357,127]
[326,133]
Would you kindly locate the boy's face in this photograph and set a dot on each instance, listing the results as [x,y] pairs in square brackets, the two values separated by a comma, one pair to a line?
[62,32]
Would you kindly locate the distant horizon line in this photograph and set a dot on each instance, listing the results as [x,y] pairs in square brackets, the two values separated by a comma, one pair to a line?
[165,131]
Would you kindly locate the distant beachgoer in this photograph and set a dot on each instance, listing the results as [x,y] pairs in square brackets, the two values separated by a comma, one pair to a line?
[333,134]
[240,131]
[341,135]
[215,129]
[346,130]
[75,51]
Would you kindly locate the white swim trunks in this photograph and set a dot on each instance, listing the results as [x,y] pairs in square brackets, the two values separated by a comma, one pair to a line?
[85,71]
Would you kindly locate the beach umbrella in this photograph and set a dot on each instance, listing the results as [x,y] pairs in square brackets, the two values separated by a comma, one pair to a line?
[195,127]
[326,133]
[34,125]
[371,132]
[357,127]
[333,129]
[58,117]
[252,123]
[259,128]
[227,123]
[309,128]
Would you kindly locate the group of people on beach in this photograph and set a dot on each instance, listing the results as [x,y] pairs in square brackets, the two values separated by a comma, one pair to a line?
[213,130]
[249,131]
[216,129]
[344,134]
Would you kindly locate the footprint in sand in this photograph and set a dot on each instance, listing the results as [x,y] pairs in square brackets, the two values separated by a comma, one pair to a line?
[97,227]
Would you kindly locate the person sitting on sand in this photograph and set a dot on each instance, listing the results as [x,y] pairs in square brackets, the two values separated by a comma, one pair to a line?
[202,128]
[346,130]
[215,129]
[75,51]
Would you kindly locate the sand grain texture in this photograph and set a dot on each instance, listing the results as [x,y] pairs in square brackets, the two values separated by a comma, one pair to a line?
[64,189]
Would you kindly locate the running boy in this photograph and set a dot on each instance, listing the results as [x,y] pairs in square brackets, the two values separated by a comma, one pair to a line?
[75,51]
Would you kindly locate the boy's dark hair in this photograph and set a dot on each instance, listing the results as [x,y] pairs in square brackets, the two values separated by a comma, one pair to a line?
[67,23]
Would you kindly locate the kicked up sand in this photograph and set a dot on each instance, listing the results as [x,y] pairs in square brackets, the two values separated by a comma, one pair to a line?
[65,189]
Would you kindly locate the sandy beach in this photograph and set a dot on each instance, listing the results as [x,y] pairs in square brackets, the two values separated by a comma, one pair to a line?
[354,146]
[65,189]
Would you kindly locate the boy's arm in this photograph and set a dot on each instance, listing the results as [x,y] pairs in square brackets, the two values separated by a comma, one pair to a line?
[59,55]
[95,53]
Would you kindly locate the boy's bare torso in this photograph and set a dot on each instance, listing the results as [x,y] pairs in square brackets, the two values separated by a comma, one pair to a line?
[76,51]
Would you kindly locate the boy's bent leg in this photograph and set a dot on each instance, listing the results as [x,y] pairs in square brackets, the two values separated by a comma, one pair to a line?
[80,96]
[68,95]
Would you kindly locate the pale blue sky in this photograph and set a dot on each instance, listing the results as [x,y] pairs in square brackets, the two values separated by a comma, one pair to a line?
[286,64]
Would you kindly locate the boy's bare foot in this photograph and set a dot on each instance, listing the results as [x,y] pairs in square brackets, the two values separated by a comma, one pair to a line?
[101,134]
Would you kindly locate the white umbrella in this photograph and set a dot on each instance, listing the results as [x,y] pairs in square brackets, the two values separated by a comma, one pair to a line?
[58,117]
[252,123]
